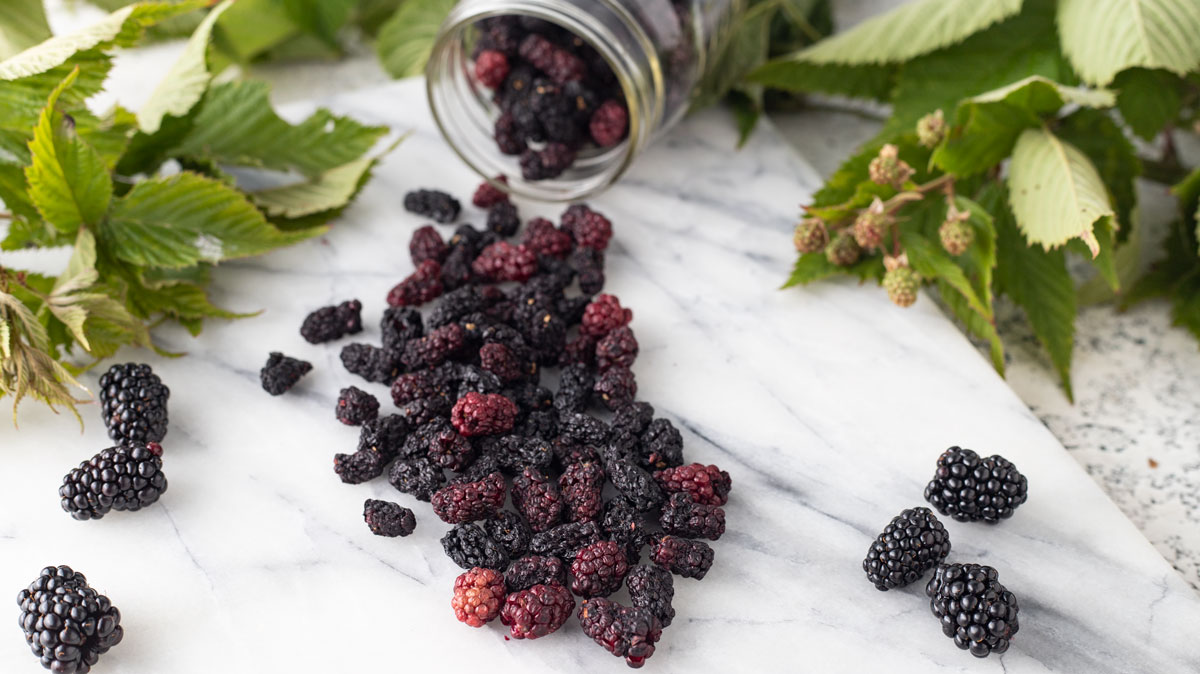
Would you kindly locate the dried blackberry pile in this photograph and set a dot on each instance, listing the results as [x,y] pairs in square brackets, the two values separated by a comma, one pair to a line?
[512,374]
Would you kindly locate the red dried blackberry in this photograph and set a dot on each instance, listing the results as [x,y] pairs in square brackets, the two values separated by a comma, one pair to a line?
[609,124]
[625,632]
[372,363]
[416,385]
[510,531]
[682,516]
[500,361]
[468,546]
[598,569]
[126,477]
[355,406]
[435,348]
[67,624]
[588,264]
[538,611]
[452,451]
[564,540]
[503,219]
[617,348]
[427,244]
[423,285]
[589,228]
[537,497]
[478,595]
[682,556]
[334,322]
[553,160]
[706,484]
[616,387]
[660,446]
[433,204]
[581,350]
[399,325]
[604,315]
[470,501]
[282,372]
[503,261]
[478,414]
[634,484]
[388,519]
[491,68]
[488,194]
[652,588]
[526,572]
[582,485]
[417,477]
[543,238]
[538,51]
[509,139]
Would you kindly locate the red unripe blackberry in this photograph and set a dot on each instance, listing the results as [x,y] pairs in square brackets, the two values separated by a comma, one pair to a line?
[625,632]
[491,68]
[423,285]
[604,315]
[478,414]
[503,261]
[470,501]
[478,595]
[427,244]
[538,611]
[705,484]
[538,499]
[682,556]
[598,569]
[609,124]
[589,228]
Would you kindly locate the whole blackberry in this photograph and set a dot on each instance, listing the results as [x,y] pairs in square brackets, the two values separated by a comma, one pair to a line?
[503,261]
[969,488]
[451,451]
[706,484]
[617,348]
[616,387]
[356,407]
[427,244]
[976,611]
[470,501]
[483,414]
[380,441]
[510,531]
[543,238]
[333,322]
[684,517]
[911,544]
[598,569]
[652,588]
[584,429]
[661,446]
[282,372]
[125,477]
[388,519]
[623,523]
[588,264]
[635,418]
[564,540]
[468,546]
[412,386]
[423,285]
[536,496]
[609,124]
[372,363]
[538,611]
[625,632]
[503,218]
[575,384]
[589,228]
[424,410]
[526,572]
[500,361]
[434,348]
[399,325]
[133,401]
[604,315]
[67,624]
[682,556]
[635,484]
[478,595]
[515,453]
[433,204]
[417,477]
[456,304]
[582,485]
[488,193]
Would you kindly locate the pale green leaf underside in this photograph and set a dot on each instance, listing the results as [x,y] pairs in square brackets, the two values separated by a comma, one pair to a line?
[1042,95]
[186,81]
[406,39]
[1104,37]
[910,30]
[1055,191]
[22,25]
[330,190]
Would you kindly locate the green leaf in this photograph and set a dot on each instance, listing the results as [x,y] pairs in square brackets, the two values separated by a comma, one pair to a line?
[910,30]
[407,38]
[187,219]
[1055,191]
[328,191]
[14,191]
[186,81]
[1149,100]
[811,267]
[174,27]
[1127,265]
[1105,260]
[932,262]
[236,125]
[1104,37]
[745,50]
[68,180]
[747,107]
[979,261]
[1100,138]
[181,301]
[857,81]
[321,18]
[22,25]
[251,27]
[974,323]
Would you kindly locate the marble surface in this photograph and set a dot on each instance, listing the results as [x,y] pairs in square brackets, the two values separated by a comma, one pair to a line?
[828,408]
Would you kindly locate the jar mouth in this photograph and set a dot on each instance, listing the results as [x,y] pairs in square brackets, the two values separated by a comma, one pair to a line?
[465,112]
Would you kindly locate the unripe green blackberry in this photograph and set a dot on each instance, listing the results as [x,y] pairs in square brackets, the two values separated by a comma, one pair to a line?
[870,225]
[956,235]
[843,250]
[888,168]
[810,236]
[931,129]
[901,285]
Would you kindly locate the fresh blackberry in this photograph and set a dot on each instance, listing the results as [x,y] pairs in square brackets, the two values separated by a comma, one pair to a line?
[610,124]
[976,611]
[434,348]
[372,363]
[661,446]
[625,632]
[598,569]
[618,348]
[635,484]
[588,264]
[604,315]
[282,372]
[334,322]
[584,429]
[564,540]
[589,228]
[388,519]
[399,325]
[911,544]
[468,546]
[652,588]
[452,451]
[356,407]
[67,624]
[503,261]
[536,495]
[417,477]
[491,68]
[581,350]
[125,477]
[423,285]
[471,501]
[488,193]
[623,523]
[427,244]
[575,384]
[682,556]
[510,531]
[503,219]
[433,204]
[616,387]
[543,238]
[478,595]
[682,516]
[133,401]
[582,485]
[538,611]
[706,484]
[526,572]
[478,414]
[969,488]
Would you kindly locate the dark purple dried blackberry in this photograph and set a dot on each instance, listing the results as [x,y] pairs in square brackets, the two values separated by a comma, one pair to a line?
[500,361]
[634,418]
[422,384]
[468,546]
[452,451]
[579,351]
[417,477]
[509,138]
[427,244]
[399,325]
[424,285]
[434,348]
[538,424]
[372,363]
[583,429]
[433,204]
[598,569]
[652,588]
[356,407]
[616,387]
[456,304]
[575,385]
[514,453]
[504,219]
[588,264]
[618,348]
[571,309]
[510,531]
[423,410]
[470,501]
[388,519]
[564,540]
[536,612]
[661,446]
[334,322]
[682,556]
[456,270]
[624,524]
[282,372]
[526,572]
[537,497]
[625,632]
[582,485]
[380,441]
[635,484]
[681,516]
[418,440]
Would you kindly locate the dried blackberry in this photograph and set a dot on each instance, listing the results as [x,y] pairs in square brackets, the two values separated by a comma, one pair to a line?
[604,315]
[583,429]
[388,519]
[456,304]
[433,204]
[399,325]
[417,477]
[471,501]
[282,372]
[380,441]
[434,348]
[536,612]
[334,322]
[510,531]
[635,484]
[473,379]
[579,351]
[508,137]
[581,485]
[543,238]
[564,540]
[427,244]
[582,99]
[618,348]
[526,572]
[417,385]
[969,488]
[706,484]
[356,407]
[423,285]
[500,361]
[975,610]
[491,68]
[67,624]
[547,334]
[682,556]
[681,516]
[452,451]
[503,261]
[456,270]
[531,397]
[610,124]
[418,441]
[482,467]
[549,162]
[588,264]
[625,632]
[616,387]
[623,523]
[537,497]
[488,193]
[372,363]
[125,477]
[483,414]
[469,547]
[571,309]
[598,569]
[911,544]
[478,595]
[652,588]
[661,446]
[634,418]
[503,219]
[538,424]
[133,403]
[514,453]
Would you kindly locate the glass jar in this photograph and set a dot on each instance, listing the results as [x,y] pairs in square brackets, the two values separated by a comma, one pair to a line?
[658,51]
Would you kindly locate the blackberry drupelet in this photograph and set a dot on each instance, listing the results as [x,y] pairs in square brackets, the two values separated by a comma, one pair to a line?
[478,595]
[538,611]
[582,486]
[682,556]
[682,516]
[356,407]
[388,519]
[478,414]
[433,204]
[564,540]
[598,569]
[617,348]
[625,632]
[969,488]
[468,546]
[67,624]
[975,610]
[372,363]
[282,372]
[635,484]
[536,495]
[470,501]
[425,284]
[417,477]
[616,387]
[706,484]
[333,322]
[661,446]
[526,572]
[652,588]
[510,531]
[911,544]
[133,402]
[125,477]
